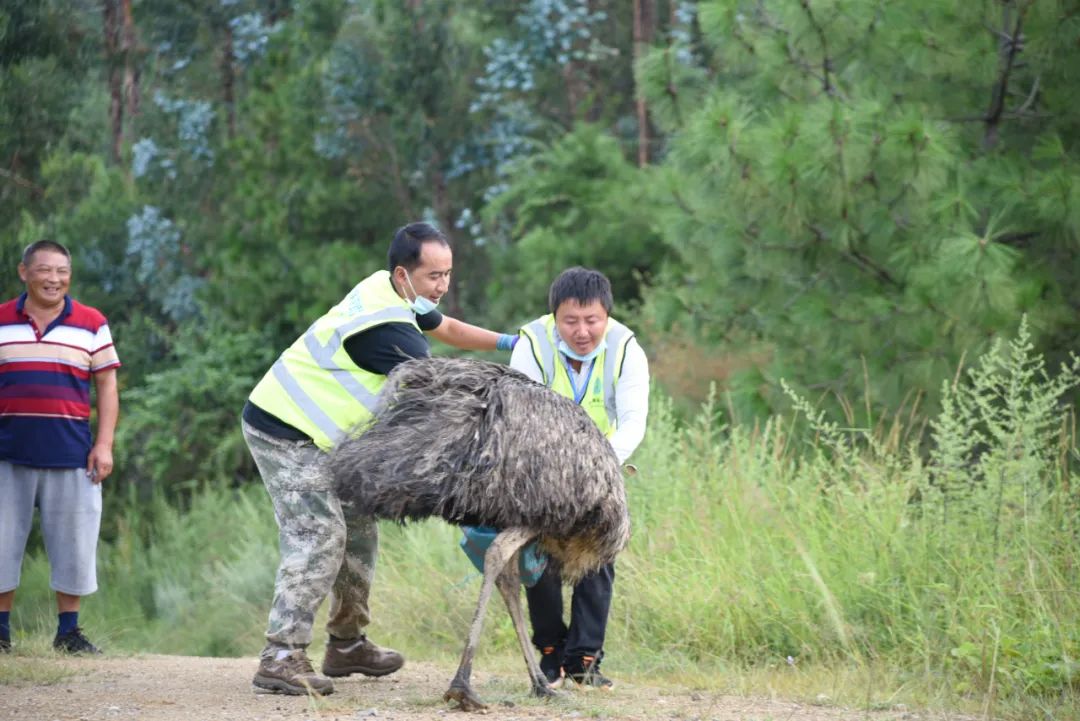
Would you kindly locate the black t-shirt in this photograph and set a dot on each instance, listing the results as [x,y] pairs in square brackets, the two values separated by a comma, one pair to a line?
[376,350]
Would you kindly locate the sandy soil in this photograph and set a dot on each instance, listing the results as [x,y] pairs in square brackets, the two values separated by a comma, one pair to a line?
[180,688]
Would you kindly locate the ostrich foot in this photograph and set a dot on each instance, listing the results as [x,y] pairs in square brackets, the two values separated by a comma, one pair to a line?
[467,700]
[541,689]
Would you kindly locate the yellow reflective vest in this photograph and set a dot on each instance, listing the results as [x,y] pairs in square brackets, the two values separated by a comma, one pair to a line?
[598,398]
[314,385]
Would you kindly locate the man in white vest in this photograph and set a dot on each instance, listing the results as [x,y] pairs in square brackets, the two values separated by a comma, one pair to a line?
[322,386]
[581,352]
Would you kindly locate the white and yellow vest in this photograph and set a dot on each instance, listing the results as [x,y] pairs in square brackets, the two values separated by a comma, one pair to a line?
[314,385]
[599,398]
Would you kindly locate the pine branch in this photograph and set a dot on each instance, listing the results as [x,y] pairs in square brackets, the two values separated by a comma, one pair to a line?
[860,260]
[1016,115]
[870,266]
[1010,44]
[862,41]
[803,290]
[682,204]
[826,61]
[981,118]
[904,188]
[1030,98]
[1018,240]
[793,57]
[737,34]
[670,90]
[23,182]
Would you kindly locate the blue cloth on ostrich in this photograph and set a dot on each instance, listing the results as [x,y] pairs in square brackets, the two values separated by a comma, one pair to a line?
[531,561]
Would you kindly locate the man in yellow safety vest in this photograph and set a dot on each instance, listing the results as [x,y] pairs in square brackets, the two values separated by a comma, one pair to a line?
[322,386]
[581,352]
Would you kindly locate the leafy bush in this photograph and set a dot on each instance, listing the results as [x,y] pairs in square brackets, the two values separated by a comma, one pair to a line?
[577,203]
[181,427]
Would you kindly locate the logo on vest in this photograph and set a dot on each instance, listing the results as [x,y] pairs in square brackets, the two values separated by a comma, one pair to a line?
[355,304]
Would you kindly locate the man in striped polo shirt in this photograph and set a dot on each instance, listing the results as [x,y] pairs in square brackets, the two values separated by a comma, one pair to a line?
[50,348]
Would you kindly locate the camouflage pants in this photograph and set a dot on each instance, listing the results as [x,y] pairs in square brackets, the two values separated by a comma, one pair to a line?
[325,549]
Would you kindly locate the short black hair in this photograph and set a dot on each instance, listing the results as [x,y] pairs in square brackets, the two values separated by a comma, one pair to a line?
[583,285]
[408,242]
[43,244]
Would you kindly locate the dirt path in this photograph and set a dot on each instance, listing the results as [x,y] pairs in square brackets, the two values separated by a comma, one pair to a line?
[179,688]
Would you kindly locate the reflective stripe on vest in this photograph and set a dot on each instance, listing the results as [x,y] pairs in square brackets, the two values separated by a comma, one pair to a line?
[311,369]
[324,354]
[543,347]
[541,333]
[617,336]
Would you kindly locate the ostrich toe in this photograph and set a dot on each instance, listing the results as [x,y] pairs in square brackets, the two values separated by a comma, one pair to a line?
[467,700]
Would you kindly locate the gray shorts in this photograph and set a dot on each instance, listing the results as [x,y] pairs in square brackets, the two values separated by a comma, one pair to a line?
[70,519]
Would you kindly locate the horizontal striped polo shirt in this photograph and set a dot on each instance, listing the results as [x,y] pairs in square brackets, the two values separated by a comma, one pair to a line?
[45,383]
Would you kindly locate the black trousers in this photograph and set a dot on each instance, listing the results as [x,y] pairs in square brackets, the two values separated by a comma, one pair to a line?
[589,606]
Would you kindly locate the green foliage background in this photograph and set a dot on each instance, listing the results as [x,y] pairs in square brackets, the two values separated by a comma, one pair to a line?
[852,196]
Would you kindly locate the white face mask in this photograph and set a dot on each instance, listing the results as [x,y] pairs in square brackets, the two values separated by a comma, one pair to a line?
[419,304]
[566,351]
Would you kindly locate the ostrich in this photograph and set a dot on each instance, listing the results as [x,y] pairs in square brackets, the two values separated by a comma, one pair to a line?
[478,443]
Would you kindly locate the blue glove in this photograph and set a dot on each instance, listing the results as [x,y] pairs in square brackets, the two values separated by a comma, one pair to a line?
[506,341]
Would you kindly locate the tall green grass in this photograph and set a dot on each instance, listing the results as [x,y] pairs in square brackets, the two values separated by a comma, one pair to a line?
[191,581]
[937,565]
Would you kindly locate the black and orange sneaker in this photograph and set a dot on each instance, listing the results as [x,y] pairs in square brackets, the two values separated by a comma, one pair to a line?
[585,672]
[551,665]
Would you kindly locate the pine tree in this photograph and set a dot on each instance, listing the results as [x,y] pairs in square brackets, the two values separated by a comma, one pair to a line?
[888,182]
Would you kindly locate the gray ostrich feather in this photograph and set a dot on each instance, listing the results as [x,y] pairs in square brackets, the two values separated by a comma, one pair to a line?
[478,443]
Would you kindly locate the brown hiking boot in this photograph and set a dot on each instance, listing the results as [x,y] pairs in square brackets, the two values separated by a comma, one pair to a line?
[292,674]
[345,656]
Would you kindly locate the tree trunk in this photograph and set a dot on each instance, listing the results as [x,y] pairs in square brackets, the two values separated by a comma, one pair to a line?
[576,82]
[440,200]
[276,10]
[113,76]
[415,6]
[129,48]
[644,30]
[228,82]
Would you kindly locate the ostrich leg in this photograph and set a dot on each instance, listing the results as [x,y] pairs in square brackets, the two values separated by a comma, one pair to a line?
[509,584]
[502,549]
